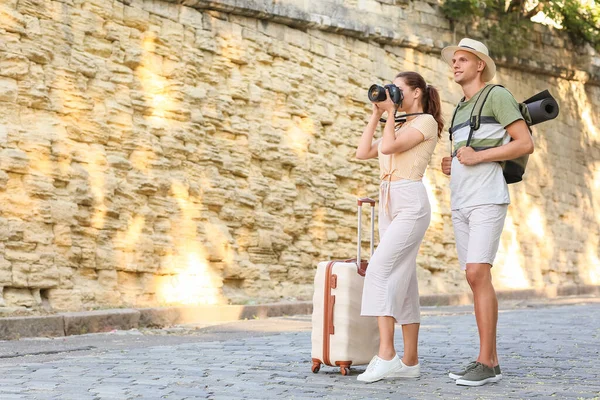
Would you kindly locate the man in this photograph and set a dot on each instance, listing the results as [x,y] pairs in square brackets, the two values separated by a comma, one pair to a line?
[479,194]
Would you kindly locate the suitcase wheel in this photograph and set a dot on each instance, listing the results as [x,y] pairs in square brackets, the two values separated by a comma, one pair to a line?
[345,371]
[316,367]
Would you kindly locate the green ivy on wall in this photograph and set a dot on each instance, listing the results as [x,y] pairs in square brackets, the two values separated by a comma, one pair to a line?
[506,26]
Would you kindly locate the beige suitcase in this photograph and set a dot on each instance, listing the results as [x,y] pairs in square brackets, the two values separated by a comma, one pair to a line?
[340,336]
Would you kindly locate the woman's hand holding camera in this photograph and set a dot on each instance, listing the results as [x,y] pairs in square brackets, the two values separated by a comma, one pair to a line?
[384,106]
[377,111]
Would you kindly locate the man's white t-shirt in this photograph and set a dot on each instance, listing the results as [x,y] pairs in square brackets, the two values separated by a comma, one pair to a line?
[483,183]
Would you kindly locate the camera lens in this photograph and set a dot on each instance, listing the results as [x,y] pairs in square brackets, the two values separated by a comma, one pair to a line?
[377,93]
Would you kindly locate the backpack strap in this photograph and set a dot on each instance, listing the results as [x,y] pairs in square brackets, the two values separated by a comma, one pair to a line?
[475,117]
[450,129]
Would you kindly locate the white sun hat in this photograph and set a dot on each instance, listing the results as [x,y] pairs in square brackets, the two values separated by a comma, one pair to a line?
[477,48]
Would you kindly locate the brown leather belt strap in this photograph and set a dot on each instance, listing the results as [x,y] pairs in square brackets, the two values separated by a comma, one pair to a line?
[328,302]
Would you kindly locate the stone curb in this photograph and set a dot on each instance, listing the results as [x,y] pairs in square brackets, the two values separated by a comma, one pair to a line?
[20,327]
[76,323]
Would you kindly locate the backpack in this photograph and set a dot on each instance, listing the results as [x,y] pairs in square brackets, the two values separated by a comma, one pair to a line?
[512,170]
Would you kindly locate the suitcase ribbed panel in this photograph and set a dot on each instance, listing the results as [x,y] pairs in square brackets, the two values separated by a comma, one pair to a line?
[355,338]
[318,312]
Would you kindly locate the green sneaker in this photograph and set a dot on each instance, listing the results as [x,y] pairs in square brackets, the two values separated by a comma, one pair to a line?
[479,375]
[498,373]
[460,373]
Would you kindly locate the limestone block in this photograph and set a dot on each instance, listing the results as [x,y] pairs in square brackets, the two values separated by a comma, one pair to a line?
[162,9]
[5,272]
[136,18]
[13,66]
[21,256]
[81,193]
[117,32]
[274,202]
[133,58]
[346,205]
[63,212]
[141,183]
[65,299]
[43,276]
[121,74]
[39,186]
[246,198]
[20,273]
[172,34]
[14,160]
[233,217]
[100,47]
[6,230]
[35,232]
[118,161]
[108,279]
[15,232]
[162,225]
[215,196]
[265,220]
[62,234]
[280,240]
[8,89]
[39,54]
[205,41]
[261,256]
[19,297]
[105,258]
[173,148]
[13,21]
[84,63]
[3,180]
[163,245]
[190,17]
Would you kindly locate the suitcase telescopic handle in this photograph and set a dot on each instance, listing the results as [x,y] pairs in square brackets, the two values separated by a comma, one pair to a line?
[360,202]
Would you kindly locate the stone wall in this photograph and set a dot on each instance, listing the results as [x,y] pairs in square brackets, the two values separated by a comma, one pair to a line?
[156,152]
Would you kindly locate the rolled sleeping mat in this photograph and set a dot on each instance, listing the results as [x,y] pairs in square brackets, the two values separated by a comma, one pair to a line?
[542,107]
[543,110]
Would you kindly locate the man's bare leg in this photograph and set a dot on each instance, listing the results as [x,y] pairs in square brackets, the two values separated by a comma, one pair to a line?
[486,311]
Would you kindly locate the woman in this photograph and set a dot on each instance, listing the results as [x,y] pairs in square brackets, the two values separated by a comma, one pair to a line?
[390,292]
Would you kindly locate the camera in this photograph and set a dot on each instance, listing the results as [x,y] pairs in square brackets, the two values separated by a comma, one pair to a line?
[377,93]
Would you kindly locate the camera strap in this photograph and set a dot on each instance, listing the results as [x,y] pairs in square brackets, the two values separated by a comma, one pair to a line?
[401,118]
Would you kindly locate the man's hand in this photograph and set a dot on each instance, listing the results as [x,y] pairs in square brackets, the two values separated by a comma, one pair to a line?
[468,156]
[446,165]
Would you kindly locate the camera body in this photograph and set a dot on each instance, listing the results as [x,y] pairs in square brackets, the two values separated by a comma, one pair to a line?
[377,93]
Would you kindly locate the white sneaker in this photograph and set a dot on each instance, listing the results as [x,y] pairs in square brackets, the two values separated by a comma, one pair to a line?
[379,368]
[414,371]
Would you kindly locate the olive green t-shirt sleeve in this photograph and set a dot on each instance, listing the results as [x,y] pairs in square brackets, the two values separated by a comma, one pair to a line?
[504,106]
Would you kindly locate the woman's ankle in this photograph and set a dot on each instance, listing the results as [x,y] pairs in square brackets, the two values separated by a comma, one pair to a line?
[410,361]
[386,355]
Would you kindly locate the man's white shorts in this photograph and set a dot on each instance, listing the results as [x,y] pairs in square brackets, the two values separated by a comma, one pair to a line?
[477,232]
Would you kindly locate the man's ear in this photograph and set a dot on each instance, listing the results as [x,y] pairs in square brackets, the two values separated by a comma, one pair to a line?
[480,65]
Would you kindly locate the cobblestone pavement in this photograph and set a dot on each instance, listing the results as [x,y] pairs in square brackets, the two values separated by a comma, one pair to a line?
[548,351]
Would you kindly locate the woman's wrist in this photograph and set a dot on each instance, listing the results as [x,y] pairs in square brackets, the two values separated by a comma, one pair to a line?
[376,115]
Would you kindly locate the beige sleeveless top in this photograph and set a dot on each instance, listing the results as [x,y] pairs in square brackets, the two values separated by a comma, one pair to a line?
[410,164]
